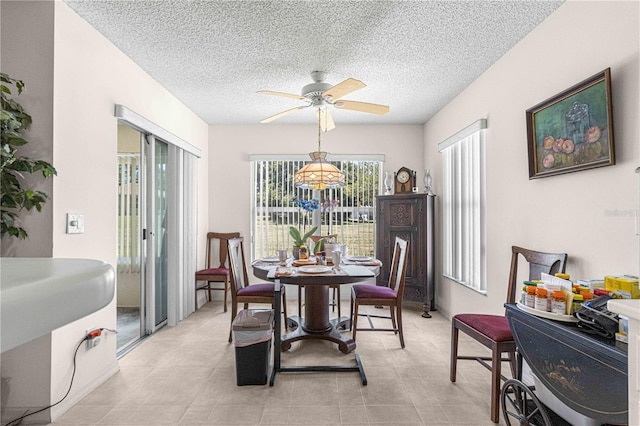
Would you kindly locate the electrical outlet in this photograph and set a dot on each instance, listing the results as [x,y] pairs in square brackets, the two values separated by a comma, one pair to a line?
[93,337]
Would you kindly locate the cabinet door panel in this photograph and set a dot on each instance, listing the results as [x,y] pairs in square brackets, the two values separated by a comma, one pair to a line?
[407,216]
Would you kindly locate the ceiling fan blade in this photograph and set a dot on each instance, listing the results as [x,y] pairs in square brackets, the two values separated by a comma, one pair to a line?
[287,95]
[326,121]
[362,107]
[344,88]
[283,113]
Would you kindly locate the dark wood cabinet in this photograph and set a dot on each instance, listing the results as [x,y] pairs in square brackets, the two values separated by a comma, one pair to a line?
[410,217]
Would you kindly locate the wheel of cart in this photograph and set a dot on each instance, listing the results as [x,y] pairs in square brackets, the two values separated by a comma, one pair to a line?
[578,375]
[522,406]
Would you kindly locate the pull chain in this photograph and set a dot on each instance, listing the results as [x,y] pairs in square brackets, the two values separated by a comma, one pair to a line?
[319,130]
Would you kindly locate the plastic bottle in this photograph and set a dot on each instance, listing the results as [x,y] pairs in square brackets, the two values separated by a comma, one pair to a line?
[523,295]
[304,253]
[530,298]
[577,302]
[541,302]
[586,295]
[558,302]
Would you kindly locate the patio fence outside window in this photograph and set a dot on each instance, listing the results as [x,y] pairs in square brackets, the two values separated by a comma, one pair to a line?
[348,212]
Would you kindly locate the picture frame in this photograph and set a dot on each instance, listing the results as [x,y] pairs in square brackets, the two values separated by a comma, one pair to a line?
[572,130]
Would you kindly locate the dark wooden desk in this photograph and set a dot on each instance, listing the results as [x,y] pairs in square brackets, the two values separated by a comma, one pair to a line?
[316,323]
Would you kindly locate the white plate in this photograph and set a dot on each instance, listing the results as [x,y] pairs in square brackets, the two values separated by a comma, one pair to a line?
[359,258]
[314,269]
[270,259]
[548,315]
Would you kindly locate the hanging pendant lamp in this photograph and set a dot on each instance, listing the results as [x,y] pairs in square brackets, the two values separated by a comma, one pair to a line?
[319,174]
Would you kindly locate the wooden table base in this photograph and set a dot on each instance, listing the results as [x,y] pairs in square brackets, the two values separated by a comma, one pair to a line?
[316,323]
[333,334]
[279,368]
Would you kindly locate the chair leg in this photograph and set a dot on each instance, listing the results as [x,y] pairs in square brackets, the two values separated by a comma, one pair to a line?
[351,313]
[226,288]
[333,299]
[454,352]
[337,290]
[284,308]
[392,315]
[209,291]
[300,301]
[354,319]
[399,310]
[514,365]
[234,312]
[496,374]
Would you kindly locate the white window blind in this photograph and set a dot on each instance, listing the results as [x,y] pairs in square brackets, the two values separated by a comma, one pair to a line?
[128,213]
[463,164]
[347,212]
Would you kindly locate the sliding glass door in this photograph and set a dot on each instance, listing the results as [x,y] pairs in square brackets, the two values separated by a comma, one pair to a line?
[157,235]
[160,242]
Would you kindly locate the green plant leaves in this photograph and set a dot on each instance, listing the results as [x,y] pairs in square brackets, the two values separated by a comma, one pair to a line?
[299,240]
[14,120]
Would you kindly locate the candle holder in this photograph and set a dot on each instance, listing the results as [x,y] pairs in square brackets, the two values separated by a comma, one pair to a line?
[388,182]
[427,182]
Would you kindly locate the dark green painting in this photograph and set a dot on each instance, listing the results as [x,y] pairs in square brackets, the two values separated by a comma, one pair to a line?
[573,130]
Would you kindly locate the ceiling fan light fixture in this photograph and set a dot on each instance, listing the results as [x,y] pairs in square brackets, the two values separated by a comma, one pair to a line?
[319,174]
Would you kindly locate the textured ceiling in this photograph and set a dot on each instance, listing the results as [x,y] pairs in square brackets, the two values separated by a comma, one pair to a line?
[414,56]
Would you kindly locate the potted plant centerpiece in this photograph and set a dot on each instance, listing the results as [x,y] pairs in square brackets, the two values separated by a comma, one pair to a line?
[300,239]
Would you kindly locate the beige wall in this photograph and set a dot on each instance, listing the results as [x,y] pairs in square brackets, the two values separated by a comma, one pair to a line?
[19,48]
[90,76]
[230,147]
[587,214]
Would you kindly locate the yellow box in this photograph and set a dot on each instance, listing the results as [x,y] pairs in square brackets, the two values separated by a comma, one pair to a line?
[624,284]
[621,337]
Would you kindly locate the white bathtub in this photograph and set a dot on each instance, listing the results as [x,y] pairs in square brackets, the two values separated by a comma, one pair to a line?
[39,295]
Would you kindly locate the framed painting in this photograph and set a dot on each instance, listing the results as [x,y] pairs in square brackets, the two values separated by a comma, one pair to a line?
[573,130]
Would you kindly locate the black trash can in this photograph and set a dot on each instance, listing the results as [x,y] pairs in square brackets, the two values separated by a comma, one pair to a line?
[252,335]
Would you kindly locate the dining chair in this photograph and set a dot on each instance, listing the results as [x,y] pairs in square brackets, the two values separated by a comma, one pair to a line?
[220,273]
[391,295]
[493,331]
[335,289]
[241,290]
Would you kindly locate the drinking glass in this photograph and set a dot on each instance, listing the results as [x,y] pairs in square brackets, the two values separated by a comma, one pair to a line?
[336,257]
[282,256]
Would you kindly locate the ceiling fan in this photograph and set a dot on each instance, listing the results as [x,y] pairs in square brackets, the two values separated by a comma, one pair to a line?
[320,94]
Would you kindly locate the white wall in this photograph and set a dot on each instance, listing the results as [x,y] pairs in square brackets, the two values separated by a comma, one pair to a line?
[230,147]
[567,213]
[89,77]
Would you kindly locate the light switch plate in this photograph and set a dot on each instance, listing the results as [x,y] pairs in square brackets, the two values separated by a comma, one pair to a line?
[75,223]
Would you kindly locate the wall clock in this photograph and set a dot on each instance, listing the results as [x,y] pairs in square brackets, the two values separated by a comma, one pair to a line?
[403,180]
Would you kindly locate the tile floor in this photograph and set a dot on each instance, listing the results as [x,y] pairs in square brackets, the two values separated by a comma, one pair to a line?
[185,375]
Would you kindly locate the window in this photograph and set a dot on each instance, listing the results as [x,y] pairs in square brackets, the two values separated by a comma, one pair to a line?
[347,211]
[128,212]
[463,165]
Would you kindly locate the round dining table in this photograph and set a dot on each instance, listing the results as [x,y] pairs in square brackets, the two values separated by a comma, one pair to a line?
[316,323]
